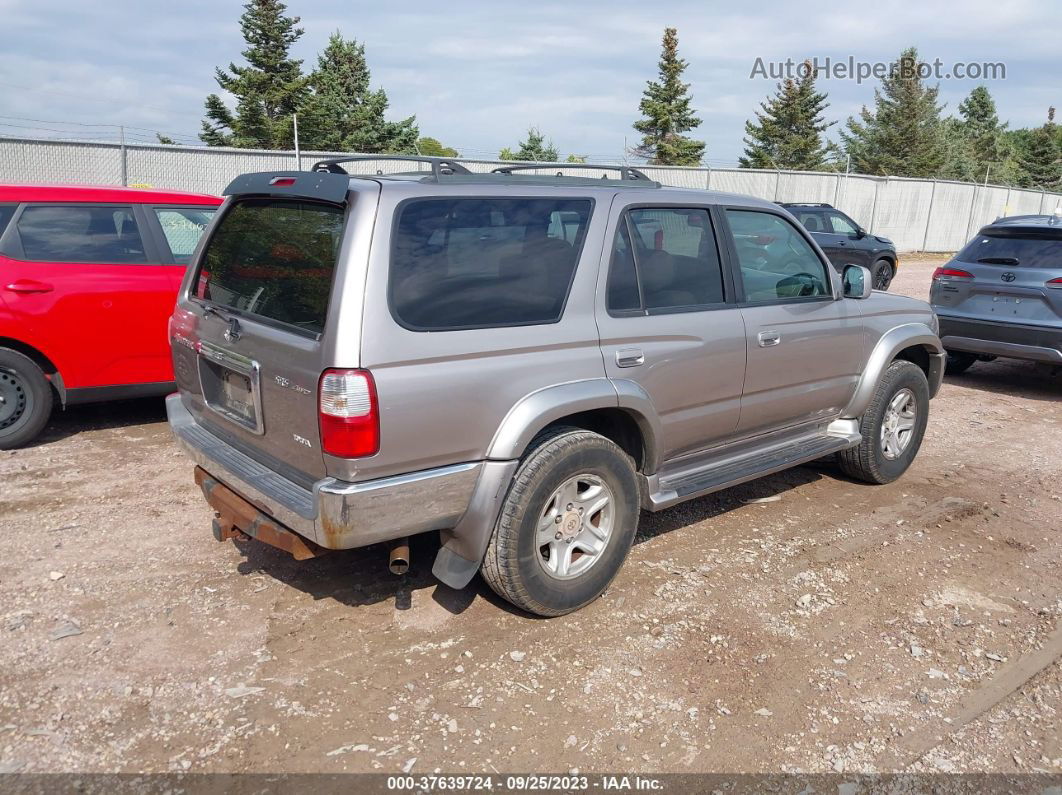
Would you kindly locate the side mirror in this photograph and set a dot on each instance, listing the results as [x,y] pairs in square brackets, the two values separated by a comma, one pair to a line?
[860,233]
[858,283]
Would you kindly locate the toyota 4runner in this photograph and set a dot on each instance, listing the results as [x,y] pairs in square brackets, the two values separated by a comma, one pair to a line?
[522,361]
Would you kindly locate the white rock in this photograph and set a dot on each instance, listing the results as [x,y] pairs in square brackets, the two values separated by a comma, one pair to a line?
[517,656]
[409,764]
[56,575]
[242,690]
[763,712]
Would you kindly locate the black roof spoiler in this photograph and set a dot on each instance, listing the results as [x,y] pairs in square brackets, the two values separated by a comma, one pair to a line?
[292,184]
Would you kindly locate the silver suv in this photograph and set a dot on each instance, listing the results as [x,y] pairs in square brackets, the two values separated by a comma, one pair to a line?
[1002,294]
[522,362]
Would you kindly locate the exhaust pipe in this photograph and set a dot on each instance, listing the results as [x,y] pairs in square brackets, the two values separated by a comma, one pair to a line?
[399,559]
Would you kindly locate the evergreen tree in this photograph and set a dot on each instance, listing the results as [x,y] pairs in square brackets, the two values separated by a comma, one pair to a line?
[902,136]
[977,142]
[343,114]
[268,90]
[789,127]
[1040,162]
[430,147]
[535,149]
[666,112]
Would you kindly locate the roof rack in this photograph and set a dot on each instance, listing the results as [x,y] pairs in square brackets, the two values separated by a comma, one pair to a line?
[806,204]
[440,166]
[626,172]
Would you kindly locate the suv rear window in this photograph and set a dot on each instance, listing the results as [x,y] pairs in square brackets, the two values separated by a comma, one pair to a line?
[273,259]
[1027,252]
[479,263]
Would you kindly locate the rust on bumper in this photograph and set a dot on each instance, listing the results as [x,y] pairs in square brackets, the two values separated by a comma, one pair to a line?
[237,518]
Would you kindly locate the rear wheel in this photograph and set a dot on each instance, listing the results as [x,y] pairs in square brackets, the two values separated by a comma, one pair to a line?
[892,426]
[882,274]
[566,525]
[959,362]
[25,399]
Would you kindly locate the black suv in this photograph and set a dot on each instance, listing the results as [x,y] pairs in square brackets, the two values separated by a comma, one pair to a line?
[845,242]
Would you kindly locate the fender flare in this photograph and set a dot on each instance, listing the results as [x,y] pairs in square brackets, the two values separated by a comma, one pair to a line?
[535,411]
[891,343]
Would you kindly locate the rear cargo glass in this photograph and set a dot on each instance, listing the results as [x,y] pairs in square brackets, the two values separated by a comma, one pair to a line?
[1030,252]
[273,259]
[484,262]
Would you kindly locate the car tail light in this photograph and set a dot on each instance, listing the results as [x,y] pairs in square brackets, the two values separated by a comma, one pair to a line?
[349,413]
[1054,284]
[952,273]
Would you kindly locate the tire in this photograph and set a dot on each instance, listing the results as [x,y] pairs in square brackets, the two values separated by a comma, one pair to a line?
[903,386]
[526,563]
[881,274]
[959,363]
[25,399]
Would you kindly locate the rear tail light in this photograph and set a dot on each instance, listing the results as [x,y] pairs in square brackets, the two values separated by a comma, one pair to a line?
[952,273]
[349,413]
[1054,284]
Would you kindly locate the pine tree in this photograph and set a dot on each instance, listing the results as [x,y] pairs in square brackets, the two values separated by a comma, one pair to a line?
[902,136]
[268,90]
[666,112]
[343,114]
[789,127]
[977,142]
[535,149]
[1040,162]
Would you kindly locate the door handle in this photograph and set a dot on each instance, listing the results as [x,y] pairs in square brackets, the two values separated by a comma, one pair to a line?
[768,338]
[29,286]
[629,357]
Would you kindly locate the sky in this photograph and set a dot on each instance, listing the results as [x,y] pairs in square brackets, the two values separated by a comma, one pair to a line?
[477,73]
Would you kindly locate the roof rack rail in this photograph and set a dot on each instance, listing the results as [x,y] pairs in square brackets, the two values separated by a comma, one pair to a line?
[440,166]
[806,204]
[626,172]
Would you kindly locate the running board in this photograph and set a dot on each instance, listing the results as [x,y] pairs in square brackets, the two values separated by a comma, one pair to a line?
[673,489]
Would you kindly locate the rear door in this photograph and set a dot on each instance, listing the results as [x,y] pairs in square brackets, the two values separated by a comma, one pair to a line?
[1011,274]
[249,332]
[88,286]
[669,322]
[804,344]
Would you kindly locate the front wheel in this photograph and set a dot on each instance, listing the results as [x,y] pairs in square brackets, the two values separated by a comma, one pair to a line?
[882,274]
[892,426]
[566,525]
[25,399]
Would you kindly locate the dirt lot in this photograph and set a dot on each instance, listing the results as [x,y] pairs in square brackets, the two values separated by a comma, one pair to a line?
[799,623]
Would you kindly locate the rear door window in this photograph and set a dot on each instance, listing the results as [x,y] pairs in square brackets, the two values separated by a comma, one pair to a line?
[102,234]
[273,259]
[664,260]
[483,262]
[1025,252]
[183,226]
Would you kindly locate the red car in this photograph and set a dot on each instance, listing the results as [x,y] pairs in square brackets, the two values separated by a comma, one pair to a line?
[88,281]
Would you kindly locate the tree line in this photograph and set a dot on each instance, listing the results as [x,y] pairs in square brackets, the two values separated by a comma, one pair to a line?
[903,134]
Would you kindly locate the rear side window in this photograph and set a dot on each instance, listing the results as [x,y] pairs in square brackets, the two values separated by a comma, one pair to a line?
[6,211]
[273,259]
[183,227]
[102,234]
[664,259]
[1025,252]
[477,263]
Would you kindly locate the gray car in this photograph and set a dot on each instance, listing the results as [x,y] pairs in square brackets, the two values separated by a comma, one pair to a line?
[521,363]
[1002,294]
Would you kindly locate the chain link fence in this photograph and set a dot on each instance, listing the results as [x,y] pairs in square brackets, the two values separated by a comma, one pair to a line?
[917,214]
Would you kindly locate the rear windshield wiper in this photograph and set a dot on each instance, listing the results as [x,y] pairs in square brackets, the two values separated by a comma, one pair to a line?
[999,260]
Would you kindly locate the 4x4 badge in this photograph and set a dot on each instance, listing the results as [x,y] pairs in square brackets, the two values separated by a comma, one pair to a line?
[1009,276]
[232,333]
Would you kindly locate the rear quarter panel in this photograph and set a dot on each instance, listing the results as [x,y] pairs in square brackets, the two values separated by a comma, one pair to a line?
[443,395]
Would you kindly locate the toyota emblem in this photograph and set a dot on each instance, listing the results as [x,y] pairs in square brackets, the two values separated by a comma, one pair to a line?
[1009,276]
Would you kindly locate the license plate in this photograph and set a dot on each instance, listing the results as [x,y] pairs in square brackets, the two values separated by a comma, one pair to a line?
[236,395]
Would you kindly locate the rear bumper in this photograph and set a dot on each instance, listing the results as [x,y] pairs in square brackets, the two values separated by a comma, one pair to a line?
[333,514]
[1036,343]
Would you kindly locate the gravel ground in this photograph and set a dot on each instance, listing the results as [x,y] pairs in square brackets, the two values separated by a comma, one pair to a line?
[802,622]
